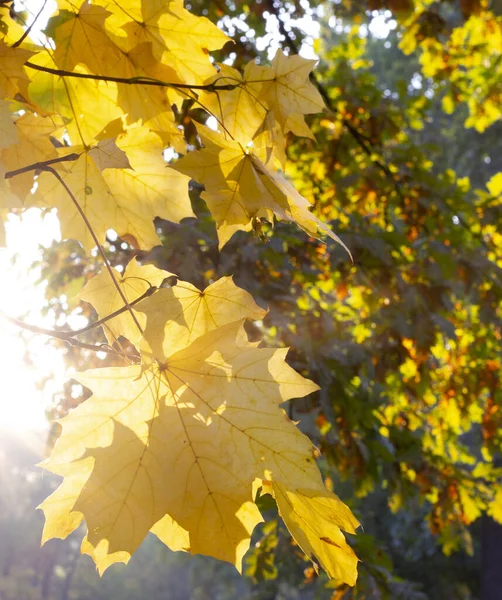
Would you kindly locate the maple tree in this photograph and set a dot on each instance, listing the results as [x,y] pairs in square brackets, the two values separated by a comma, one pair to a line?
[182,440]
[405,342]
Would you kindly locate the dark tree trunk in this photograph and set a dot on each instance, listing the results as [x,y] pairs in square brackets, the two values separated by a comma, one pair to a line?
[491,559]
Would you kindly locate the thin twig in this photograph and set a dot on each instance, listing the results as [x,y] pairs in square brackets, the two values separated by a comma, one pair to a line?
[29,28]
[98,245]
[114,314]
[42,166]
[66,337]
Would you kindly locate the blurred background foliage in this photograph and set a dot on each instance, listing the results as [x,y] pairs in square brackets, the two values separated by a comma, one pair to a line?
[405,342]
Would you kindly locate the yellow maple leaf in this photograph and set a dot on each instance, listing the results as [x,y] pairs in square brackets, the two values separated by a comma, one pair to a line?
[33,145]
[193,438]
[13,78]
[107,155]
[254,104]
[101,292]
[147,102]
[8,131]
[12,30]
[150,189]
[295,123]
[126,200]
[239,111]
[82,39]
[86,106]
[171,318]
[91,195]
[179,39]
[177,316]
[316,518]
[241,185]
[286,89]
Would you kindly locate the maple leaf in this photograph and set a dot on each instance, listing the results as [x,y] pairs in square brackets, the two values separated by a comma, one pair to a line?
[190,311]
[126,200]
[251,108]
[285,88]
[82,39]
[150,189]
[13,78]
[102,293]
[316,518]
[86,106]
[154,440]
[11,30]
[241,184]
[179,39]
[239,111]
[8,131]
[177,316]
[33,145]
[107,155]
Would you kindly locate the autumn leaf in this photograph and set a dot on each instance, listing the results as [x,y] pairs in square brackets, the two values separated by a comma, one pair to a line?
[286,89]
[179,39]
[159,436]
[172,317]
[126,200]
[33,145]
[107,155]
[8,132]
[239,111]
[179,315]
[13,77]
[82,39]
[86,106]
[134,282]
[242,184]
[316,518]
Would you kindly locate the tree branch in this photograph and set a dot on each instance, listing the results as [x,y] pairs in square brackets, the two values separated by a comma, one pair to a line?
[140,80]
[66,337]
[42,166]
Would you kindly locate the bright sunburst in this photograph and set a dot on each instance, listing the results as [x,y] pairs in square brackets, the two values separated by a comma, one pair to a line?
[24,358]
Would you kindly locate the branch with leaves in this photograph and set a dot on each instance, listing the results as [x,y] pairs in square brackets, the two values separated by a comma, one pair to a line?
[183,442]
